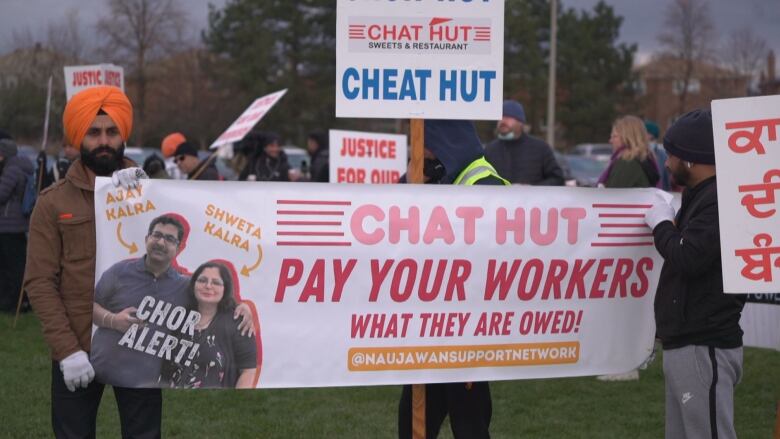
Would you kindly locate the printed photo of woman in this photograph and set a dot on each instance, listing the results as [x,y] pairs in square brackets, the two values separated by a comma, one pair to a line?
[224,358]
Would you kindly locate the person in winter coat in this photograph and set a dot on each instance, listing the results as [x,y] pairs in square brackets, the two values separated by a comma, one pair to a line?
[317,145]
[518,157]
[269,162]
[14,171]
[632,164]
[186,158]
[697,323]
[453,155]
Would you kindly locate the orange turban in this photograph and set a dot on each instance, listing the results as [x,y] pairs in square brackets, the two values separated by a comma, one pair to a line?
[170,143]
[82,109]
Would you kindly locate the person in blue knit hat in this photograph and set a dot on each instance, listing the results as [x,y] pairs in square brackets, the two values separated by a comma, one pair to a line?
[519,157]
[453,155]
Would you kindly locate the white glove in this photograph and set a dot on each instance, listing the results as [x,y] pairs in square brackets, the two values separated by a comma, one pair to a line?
[660,212]
[128,177]
[77,371]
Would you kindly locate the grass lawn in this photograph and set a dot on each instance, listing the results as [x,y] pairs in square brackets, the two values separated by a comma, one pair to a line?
[559,408]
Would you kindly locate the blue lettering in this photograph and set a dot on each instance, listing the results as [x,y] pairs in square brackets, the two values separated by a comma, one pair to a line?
[450,84]
[350,73]
[423,76]
[466,95]
[407,87]
[487,76]
[370,83]
[388,80]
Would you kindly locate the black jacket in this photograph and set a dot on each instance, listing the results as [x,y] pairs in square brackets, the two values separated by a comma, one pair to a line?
[690,306]
[210,173]
[526,160]
[266,168]
[319,169]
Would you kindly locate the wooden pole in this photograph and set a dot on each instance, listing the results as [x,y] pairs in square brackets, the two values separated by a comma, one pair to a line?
[206,163]
[415,175]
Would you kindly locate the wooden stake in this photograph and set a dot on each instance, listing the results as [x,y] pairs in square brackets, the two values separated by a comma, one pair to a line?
[206,164]
[415,175]
[417,129]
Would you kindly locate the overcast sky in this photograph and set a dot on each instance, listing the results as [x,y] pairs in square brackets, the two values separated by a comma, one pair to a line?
[643,18]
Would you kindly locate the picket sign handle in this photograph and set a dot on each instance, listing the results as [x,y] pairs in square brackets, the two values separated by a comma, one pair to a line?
[415,175]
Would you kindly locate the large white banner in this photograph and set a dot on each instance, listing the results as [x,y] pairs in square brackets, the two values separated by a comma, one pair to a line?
[747,156]
[423,59]
[359,157]
[78,78]
[373,284]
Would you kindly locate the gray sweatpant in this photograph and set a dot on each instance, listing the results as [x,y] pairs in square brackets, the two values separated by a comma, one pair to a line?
[700,383]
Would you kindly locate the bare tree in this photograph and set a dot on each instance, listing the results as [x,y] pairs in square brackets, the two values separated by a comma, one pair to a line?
[745,52]
[689,36]
[66,38]
[137,32]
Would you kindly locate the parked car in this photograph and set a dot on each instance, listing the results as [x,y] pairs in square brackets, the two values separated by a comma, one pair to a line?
[599,151]
[584,170]
[139,154]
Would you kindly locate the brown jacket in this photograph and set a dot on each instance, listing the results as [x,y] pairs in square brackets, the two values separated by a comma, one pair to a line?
[60,272]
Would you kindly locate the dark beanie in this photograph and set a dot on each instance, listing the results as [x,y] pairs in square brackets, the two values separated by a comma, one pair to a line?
[187,148]
[690,138]
[514,110]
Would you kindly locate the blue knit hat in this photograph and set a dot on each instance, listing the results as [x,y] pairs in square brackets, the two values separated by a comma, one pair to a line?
[690,138]
[514,110]
[652,128]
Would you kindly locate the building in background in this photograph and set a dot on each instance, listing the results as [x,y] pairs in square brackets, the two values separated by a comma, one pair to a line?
[660,82]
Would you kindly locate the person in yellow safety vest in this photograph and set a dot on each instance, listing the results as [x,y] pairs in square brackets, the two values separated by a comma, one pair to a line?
[453,155]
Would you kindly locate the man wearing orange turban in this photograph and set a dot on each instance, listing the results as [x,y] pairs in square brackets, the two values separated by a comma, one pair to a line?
[60,272]
[170,143]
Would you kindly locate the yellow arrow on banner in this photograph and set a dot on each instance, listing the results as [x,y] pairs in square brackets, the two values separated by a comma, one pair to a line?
[132,248]
[246,270]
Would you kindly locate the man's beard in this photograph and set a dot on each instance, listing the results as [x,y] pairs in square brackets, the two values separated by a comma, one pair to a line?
[680,175]
[103,165]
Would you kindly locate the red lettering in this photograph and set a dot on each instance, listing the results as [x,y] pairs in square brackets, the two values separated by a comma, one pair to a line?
[293,271]
[378,276]
[500,279]
[558,269]
[461,269]
[641,289]
[523,292]
[595,290]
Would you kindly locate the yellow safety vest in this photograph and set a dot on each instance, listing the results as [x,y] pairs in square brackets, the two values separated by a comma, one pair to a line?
[477,170]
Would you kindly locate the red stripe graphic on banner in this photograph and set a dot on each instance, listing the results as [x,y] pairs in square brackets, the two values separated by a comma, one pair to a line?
[310,212]
[621,215]
[308,223]
[315,202]
[624,225]
[621,244]
[627,206]
[309,233]
[314,244]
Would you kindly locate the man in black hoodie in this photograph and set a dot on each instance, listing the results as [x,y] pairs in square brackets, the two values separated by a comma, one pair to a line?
[696,322]
[453,155]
